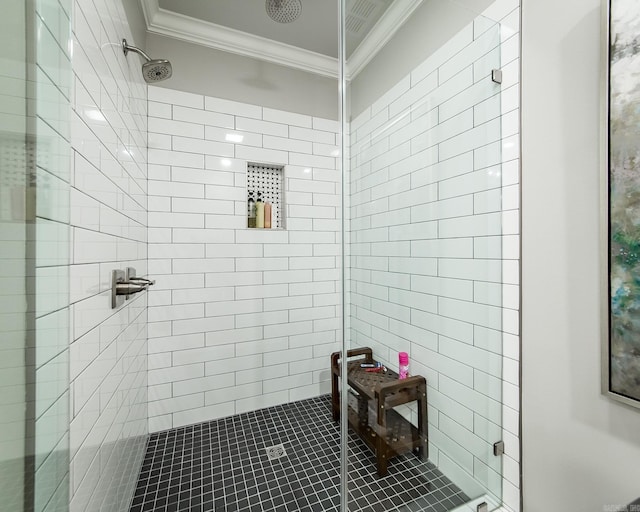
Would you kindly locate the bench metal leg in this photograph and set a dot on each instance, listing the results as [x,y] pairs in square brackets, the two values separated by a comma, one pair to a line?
[335,397]
[381,459]
[423,451]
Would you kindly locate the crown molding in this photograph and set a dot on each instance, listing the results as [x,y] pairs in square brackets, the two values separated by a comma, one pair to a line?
[172,24]
[149,9]
[390,22]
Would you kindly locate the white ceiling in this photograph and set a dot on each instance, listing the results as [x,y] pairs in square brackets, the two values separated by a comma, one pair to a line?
[316,29]
[309,43]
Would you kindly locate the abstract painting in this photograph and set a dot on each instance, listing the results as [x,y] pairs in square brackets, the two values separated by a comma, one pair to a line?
[623,362]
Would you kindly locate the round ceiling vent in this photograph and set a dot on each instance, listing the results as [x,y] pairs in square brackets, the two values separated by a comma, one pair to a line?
[284,11]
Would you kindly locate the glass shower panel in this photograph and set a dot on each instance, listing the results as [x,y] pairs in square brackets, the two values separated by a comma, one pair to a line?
[13,244]
[424,277]
[49,76]
[34,234]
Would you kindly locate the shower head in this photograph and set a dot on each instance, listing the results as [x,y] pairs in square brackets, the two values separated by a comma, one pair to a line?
[156,70]
[153,70]
[283,11]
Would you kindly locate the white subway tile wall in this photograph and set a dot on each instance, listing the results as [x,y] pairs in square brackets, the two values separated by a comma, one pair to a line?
[240,318]
[434,244]
[108,363]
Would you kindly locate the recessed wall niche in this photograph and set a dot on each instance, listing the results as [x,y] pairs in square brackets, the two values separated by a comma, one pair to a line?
[265,183]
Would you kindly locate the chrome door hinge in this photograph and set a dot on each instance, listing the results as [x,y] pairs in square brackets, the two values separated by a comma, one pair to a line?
[496,76]
[498,448]
[482,507]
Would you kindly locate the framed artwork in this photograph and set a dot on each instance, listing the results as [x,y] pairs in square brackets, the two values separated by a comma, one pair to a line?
[621,201]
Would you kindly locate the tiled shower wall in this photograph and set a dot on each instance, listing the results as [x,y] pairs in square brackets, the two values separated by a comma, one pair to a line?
[434,244]
[108,218]
[239,319]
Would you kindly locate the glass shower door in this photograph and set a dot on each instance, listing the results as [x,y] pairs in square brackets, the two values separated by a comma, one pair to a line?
[13,244]
[424,268]
[34,249]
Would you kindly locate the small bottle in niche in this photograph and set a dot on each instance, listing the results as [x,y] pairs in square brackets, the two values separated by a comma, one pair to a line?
[251,221]
[259,212]
[403,360]
[267,215]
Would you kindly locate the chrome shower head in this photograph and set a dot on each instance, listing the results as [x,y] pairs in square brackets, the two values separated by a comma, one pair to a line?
[283,11]
[153,70]
[156,70]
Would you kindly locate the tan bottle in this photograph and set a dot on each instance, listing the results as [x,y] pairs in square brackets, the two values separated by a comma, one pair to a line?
[267,215]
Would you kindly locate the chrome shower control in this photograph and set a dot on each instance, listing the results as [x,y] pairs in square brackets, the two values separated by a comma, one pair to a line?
[117,278]
[129,288]
[142,280]
[131,276]
[124,284]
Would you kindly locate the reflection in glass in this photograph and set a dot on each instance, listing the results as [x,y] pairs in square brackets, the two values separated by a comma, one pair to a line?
[425,263]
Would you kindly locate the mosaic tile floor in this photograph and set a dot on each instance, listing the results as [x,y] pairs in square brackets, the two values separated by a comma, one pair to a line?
[224,466]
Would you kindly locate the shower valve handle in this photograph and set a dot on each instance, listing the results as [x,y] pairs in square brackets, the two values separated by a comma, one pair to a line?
[142,280]
[124,284]
[129,288]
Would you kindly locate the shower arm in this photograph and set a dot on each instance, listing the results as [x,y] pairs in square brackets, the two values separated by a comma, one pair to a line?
[126,48]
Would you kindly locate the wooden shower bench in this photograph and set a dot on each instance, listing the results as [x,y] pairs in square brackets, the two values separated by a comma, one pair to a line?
[372,397]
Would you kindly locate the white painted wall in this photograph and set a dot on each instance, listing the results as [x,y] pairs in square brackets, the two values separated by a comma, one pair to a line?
[580,450]
[240,319]
[211,72]
[137,23]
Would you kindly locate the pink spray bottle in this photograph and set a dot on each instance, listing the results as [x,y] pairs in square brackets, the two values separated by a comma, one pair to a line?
[403,359]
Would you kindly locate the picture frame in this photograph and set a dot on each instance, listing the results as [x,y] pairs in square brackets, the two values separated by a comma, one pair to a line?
[620,201]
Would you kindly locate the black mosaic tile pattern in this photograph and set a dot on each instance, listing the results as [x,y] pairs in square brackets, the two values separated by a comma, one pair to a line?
[223,466]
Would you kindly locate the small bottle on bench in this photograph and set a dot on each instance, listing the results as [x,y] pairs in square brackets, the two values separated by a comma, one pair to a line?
[403,371]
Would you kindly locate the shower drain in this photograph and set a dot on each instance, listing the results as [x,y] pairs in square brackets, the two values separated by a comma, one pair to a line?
[276,452]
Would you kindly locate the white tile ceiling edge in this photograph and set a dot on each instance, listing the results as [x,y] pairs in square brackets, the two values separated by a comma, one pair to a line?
[171,24]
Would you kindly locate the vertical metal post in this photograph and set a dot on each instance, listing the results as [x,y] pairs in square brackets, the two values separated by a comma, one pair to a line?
[342,93]
[31,141]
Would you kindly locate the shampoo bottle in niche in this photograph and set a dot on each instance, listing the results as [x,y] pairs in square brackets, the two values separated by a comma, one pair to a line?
[259,212]
[251,222]
[403,360]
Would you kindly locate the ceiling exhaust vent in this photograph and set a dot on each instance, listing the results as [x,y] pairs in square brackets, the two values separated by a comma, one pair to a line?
[362,15]
[283,11]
